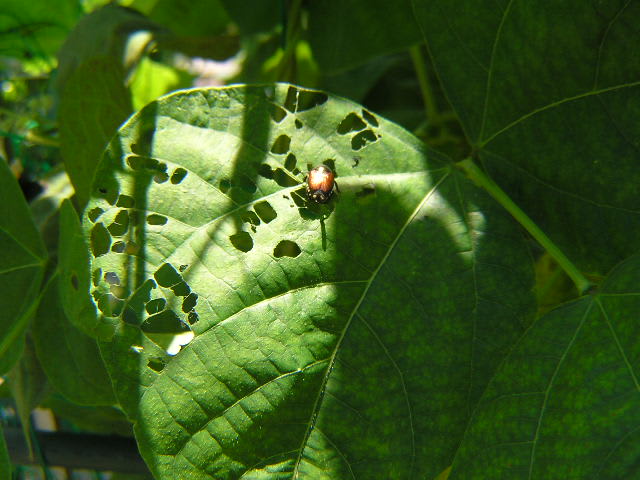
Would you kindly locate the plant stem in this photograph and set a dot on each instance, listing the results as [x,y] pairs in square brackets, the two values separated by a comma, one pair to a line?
[423,80]
[482,180]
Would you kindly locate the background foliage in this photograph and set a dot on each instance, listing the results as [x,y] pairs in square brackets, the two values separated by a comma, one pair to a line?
[464,307]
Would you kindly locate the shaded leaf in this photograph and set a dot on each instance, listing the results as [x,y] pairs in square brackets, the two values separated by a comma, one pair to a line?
[22,261]
[346,34]
[548,95]
[410,275]
[564,404]
[70,358]
[5,463]
[91,83]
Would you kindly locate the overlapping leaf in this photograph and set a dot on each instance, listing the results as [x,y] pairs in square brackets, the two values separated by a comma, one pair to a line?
[548,94]
[565,402]
[22,261]
[348,339]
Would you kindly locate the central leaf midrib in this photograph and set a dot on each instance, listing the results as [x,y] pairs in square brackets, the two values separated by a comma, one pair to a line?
[373,276]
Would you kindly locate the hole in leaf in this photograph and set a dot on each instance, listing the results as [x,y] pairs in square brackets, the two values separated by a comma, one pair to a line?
[370,118]
[189,302]
[164,322]
[300,197]
[178,175]
[265,171]
[290,162]
[120,224]
[331,163]
[181,289]
[155,364]
[250,217]
[292,99]
[112,278]
[100,240]
[308,100]
[160,177]
[118,247]
[242,241]
[265,211]
[225,185]
[94,214]
[363,138]
[182,268]
[110,194]
[356,161]
[74,281]
[283,179]
[286,248]
[278,113]
[193,317]
[281,145]
[155,219]
[167,276]
[351,123]
[156,305]
[146,163]
[125,201]
[298,124]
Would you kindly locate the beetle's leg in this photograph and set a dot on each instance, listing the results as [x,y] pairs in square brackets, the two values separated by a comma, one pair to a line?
[337,187]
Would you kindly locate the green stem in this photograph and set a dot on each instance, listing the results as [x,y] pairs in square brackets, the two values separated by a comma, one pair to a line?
[482,180]
[292,30]
[423,80]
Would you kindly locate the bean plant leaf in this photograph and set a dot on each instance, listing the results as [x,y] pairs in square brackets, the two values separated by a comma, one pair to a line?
[346,34]
[94,101]
[22,261]
[70,358]
[5,463]
[565,402]
[548,94]
[346,339]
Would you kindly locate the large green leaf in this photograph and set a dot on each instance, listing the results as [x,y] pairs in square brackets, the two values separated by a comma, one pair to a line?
[548,93]
[22,261]
[346,34]
[91,83]
[566,402]
[348,339]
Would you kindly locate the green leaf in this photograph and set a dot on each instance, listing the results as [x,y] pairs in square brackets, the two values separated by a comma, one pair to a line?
[70,358]
[35,31]
[75,277]
[192,17]
[28,385]
[354,336]
[564,404]
[254,16]
[346,34]
[5,462]
[549,96]
[91,82]
[107,420]
[22,261]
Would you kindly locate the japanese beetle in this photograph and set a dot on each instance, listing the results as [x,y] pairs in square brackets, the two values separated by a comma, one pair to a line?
[320,183]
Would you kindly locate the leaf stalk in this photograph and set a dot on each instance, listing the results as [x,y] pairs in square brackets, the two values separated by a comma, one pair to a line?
[482,180]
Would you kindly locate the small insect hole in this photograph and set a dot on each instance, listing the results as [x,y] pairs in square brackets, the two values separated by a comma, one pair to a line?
[281,144]
[242,241]
[286,248]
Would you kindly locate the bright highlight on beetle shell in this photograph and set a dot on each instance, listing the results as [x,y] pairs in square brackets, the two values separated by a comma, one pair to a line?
[320,184]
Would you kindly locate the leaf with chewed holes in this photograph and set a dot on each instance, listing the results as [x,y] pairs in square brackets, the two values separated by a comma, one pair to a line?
[337,340]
